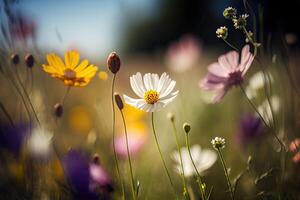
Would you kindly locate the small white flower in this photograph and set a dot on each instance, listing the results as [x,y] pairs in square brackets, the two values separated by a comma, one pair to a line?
[218,143]
[265,110]
[256,83]
[203,160]
[154,92]
[40,142]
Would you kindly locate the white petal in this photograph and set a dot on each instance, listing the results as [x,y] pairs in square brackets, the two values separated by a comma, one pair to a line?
[169,98]
[155,81]
[148,82]
[137,84]
[164,81]
[138,103]
[208,158]
[168,89]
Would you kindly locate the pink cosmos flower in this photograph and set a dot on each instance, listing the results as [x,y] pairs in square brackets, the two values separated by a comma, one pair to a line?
[183,54]
[227,72]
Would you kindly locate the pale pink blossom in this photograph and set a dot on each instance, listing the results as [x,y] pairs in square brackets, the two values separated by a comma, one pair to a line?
[227,72]
[184,54]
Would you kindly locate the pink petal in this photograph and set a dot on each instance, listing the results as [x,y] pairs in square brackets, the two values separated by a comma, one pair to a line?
[218,70]
[219,96]
[233,59]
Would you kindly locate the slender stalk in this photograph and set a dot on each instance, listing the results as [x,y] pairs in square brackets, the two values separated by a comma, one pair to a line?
[261,117]
[113,136]
[27,96]
[226,174]
[65,95]
[185,190]
[160,153]
[134,194]
[6,114]
[231,45]
[199,179]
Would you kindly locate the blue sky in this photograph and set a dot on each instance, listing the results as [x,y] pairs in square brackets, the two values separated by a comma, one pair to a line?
[95,27]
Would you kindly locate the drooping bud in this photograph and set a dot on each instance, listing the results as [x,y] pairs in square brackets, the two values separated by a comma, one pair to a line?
[15,59]
[186,128]
[119,101]
[58,110]
[113,62]
[29,60]
[171,116]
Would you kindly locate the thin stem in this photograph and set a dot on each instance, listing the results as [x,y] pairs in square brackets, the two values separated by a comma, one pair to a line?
[27,96]
[185,190]
[129,158]
[113,136]
[6,114]
[231,45]
[261,117]
[65,95]
[199,179]
[226,174]
[160,153]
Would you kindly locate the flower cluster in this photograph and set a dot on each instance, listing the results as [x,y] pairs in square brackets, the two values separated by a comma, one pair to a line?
[218,143]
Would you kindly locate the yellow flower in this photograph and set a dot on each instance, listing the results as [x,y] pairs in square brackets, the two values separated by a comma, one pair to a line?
[103,75]
[70,72]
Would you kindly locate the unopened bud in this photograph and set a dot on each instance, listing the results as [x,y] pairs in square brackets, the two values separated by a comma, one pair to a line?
[29,60]
[58,110]
[119,101]
[186,128]
[171,116]
[113,62]
[15,59]
[96,158]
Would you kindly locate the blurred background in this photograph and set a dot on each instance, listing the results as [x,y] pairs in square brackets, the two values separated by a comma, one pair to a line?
[173,36]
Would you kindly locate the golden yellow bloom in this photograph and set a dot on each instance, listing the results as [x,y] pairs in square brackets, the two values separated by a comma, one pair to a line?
[70,72]
[103,75]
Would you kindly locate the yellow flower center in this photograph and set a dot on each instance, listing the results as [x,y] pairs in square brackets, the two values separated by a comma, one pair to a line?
[69,74]
[151,96]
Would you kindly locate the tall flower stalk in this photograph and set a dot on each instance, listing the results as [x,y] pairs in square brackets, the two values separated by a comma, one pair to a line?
[114,63]
[219,143]
[160,153]
[175,134]
[187,128]
[120,105]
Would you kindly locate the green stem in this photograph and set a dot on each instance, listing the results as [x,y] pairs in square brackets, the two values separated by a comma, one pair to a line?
[65,95]
[160,153]
[231,45]
[6,114]
[134,194]
[185,190]
[199,179]
[226,174]
[113,136]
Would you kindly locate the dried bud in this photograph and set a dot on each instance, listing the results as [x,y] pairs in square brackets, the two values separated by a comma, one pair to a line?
[58,110]
[186,128]
[15,59]
[119,101]
[29,60]
[171,116]
[229,13]
[113,62]
[96,158]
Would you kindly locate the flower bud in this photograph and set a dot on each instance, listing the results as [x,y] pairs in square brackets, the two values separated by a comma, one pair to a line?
[119,101]
[15,59]
[96,158]
[229,13]
[113,62]
[171,116]
[186,128]
[29,60]
[58,110]
[222,32]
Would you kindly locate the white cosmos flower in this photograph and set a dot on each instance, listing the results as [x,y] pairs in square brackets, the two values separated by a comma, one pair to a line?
[154,92]
[203,160]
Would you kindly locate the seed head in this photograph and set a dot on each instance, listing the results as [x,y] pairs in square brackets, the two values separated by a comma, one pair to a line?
[15,59]
[218,143]
[29,60]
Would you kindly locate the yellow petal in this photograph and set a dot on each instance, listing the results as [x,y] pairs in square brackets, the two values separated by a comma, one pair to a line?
[82,66]
[72,59]
[56,62]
